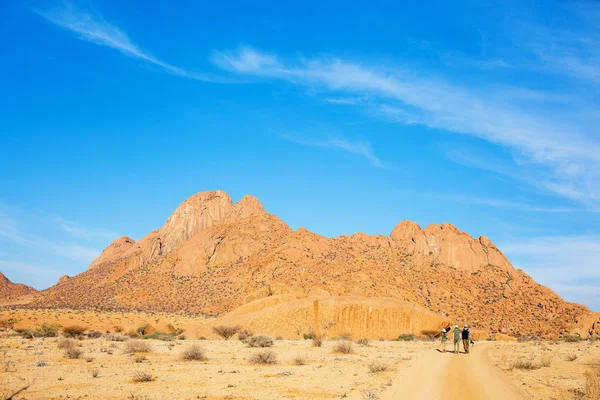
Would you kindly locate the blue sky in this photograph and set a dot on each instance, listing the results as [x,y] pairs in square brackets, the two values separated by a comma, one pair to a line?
[339,118]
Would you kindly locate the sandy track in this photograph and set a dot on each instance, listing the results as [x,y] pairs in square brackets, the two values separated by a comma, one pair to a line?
[462,376]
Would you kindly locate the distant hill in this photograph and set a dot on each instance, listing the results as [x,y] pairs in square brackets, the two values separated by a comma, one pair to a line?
[10,291]
[213,256]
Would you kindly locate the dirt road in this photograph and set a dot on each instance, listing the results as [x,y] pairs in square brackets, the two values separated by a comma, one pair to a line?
[446,376]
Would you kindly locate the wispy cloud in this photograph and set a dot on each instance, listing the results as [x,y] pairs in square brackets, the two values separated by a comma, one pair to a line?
[559,148]
[82,232]
[92,27]
[359,148]
[500,203]
[564,263]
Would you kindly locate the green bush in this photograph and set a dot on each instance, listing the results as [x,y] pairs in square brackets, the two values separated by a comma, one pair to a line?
[406,337]
[571,338]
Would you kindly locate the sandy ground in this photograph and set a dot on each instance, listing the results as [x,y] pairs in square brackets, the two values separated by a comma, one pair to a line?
[415,370]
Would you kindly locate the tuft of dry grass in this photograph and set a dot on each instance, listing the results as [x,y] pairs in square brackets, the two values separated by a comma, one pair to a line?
[369,394]
[115,337]
[377,367]
[73,330]
[66,344]
[344,347]
[363,342]
[546,361]
[194,353]
[139,359]
[226,332]
[300,360]
[317,342]
[264,357]
[73,353]
[571,357]
[137,346]
[143,377]
[244,334]
[259,341]
[525,365]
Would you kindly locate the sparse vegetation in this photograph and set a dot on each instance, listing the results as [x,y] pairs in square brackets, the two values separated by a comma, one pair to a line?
[165,337]
[94,334]
[310,335]
[137,346]
[143,377]
[264,357]
[300,360]
[363,342]
[527,365]
[73,353]
[66,344]
[73,331]
[546,361]
[571,357]
[571,338]
[194,353]
[317,342]
[406,337]
[344,347]
[369,394]
[139,359]
[115,337]
[259,341]
[226,332]
[377,367]
[244,334]
[43,331]
[592,385]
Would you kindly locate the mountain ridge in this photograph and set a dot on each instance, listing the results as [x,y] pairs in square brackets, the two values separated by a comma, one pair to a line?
[213,256]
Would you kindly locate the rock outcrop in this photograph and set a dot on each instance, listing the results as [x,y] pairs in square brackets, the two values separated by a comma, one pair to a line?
[10,291]
[213,256]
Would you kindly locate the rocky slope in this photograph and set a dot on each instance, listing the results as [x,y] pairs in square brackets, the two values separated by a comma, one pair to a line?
[213,256]
[10,291]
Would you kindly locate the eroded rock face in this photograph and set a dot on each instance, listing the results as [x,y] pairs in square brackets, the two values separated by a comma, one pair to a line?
[10,291]
[211,256]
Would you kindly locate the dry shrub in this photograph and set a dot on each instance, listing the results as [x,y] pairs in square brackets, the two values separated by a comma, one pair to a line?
[115,337]
[363,342]
[527,365]
[73,330]
[89,359]
[317,342]
[143,377]
[226,332]
[377,367]
[118,328]
[369,394]
[259,341]
[43,331]
[406,337]
[244,334]
[73,353]
[132,333]
[194,353]
[571,338]
[300,360]
[264,357]
[66,344]
[139,359]
[344,347]
[571,357]
[94,334]
[137,346]
[546,361]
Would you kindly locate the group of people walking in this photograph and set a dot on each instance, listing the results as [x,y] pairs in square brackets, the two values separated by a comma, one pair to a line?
[458,334]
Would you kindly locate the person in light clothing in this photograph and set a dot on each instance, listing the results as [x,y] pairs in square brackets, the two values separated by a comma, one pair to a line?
[456,333]
[444,337]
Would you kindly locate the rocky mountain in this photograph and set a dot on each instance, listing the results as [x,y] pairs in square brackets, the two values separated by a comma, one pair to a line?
[213,256]
[10,291]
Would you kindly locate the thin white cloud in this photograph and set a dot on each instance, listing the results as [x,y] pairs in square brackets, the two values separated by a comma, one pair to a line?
[359,148]
[560,149]
[79,231]
[92,27]
[567,264]
[500,203]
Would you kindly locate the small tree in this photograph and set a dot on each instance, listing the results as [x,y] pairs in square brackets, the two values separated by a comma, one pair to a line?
[226,332]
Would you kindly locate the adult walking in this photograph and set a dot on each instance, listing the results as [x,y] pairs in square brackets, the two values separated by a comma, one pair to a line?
[444,337]
[466,338]
[456,333]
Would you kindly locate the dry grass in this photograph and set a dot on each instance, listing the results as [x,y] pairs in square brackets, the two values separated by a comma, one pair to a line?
[259,341]
[194,353]
[571,357]
[377,367]
[344,347]
[363,342]
[226,332]
[300,360]
[525,365]
[263,357]
[143,377]
[66,344]
[317,342]
[546,361]
[139,359]
[73,353]
[115,337]
[244,334]
[74,330]
[592,385]
[137,346]
[369,394]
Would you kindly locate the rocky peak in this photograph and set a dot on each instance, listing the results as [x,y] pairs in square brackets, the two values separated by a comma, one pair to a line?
[115,251]
[195,214]
[4,279]
[247,206]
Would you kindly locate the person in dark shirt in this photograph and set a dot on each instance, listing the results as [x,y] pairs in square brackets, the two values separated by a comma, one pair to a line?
[466,338]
